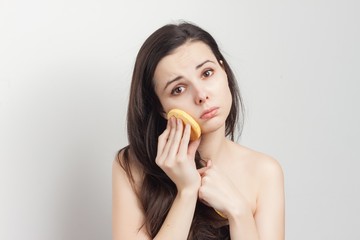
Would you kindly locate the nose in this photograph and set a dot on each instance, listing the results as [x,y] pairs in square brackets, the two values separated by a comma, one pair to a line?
[201,97]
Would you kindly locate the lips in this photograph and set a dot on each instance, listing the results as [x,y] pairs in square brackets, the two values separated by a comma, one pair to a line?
[209,113]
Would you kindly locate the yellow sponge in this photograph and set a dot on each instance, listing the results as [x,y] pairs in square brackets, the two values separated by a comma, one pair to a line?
[186,118]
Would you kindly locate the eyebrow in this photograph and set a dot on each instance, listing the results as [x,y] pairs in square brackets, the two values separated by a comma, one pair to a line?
[179,77]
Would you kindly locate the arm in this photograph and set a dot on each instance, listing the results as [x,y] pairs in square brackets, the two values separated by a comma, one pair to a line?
[127,216]
[177,160]
[175,156]
[216,190]
[268,221]
[270,213]
[178,221]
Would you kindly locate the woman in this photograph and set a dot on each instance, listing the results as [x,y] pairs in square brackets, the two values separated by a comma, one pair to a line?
[168,187]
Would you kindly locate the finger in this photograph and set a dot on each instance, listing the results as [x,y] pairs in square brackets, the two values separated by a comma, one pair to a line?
[169,141]
[204,169]
[209,163]
[177,138]
[202,194]
[185,140]
[193,147]
[163,138]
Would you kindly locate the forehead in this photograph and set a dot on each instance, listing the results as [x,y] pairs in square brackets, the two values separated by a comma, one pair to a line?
[184,58]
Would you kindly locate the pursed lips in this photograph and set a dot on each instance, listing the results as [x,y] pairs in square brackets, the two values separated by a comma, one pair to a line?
[209,113]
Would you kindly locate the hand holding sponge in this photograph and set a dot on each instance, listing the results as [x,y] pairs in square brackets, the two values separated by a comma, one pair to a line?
[195,130]
[186,118]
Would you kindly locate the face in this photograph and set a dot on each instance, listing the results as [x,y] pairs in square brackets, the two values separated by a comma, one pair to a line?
[192,79]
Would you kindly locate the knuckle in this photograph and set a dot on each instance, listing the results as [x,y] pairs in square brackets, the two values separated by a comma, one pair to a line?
[163,136]
[158,161]
[180,159]
[205,180]
[168,165]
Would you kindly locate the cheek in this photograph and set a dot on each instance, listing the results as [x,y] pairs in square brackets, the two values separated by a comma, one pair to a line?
[228,98]
[223,89]
[168,104]
[174,104]
[164,106]
[226,95]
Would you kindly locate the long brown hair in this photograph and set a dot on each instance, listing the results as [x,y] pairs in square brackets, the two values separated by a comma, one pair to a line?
[145,123]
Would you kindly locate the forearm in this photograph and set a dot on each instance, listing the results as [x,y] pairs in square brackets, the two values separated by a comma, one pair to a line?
[243,227]
[178,221]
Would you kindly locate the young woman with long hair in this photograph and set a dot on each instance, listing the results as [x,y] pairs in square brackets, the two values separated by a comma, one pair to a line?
[166,186]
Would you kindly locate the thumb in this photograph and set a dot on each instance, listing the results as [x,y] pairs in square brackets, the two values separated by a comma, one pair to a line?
[203,169]
[193,147]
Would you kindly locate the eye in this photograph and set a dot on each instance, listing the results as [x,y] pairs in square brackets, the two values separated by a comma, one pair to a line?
[177,90]
[207,73]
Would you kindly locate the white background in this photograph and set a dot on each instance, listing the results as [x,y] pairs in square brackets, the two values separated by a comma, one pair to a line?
[65,69]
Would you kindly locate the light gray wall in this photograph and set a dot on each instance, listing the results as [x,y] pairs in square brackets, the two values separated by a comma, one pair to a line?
[65,68]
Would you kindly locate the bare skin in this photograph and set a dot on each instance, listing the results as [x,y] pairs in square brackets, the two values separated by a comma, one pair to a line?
[245,185]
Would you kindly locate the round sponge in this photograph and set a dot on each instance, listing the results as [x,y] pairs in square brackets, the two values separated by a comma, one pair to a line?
[186,118]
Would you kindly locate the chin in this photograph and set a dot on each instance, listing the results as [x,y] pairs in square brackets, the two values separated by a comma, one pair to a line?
[213,126]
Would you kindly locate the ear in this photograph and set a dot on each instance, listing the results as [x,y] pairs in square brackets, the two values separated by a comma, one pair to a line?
[221,63]
[222,66]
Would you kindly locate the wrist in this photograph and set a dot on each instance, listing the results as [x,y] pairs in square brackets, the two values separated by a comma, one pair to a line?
[189,189]
[188,192]
[240,210]
[237,215]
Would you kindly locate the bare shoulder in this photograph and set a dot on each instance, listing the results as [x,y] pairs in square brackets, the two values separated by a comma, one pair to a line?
[118,170]
[268,201]
[262,165]
[127,213]
[265,164]
[124,167]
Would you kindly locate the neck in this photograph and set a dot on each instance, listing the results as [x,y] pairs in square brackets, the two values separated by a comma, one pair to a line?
[213,145]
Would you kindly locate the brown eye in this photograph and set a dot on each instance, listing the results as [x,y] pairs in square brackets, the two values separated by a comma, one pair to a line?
[177,90]
[208,73]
